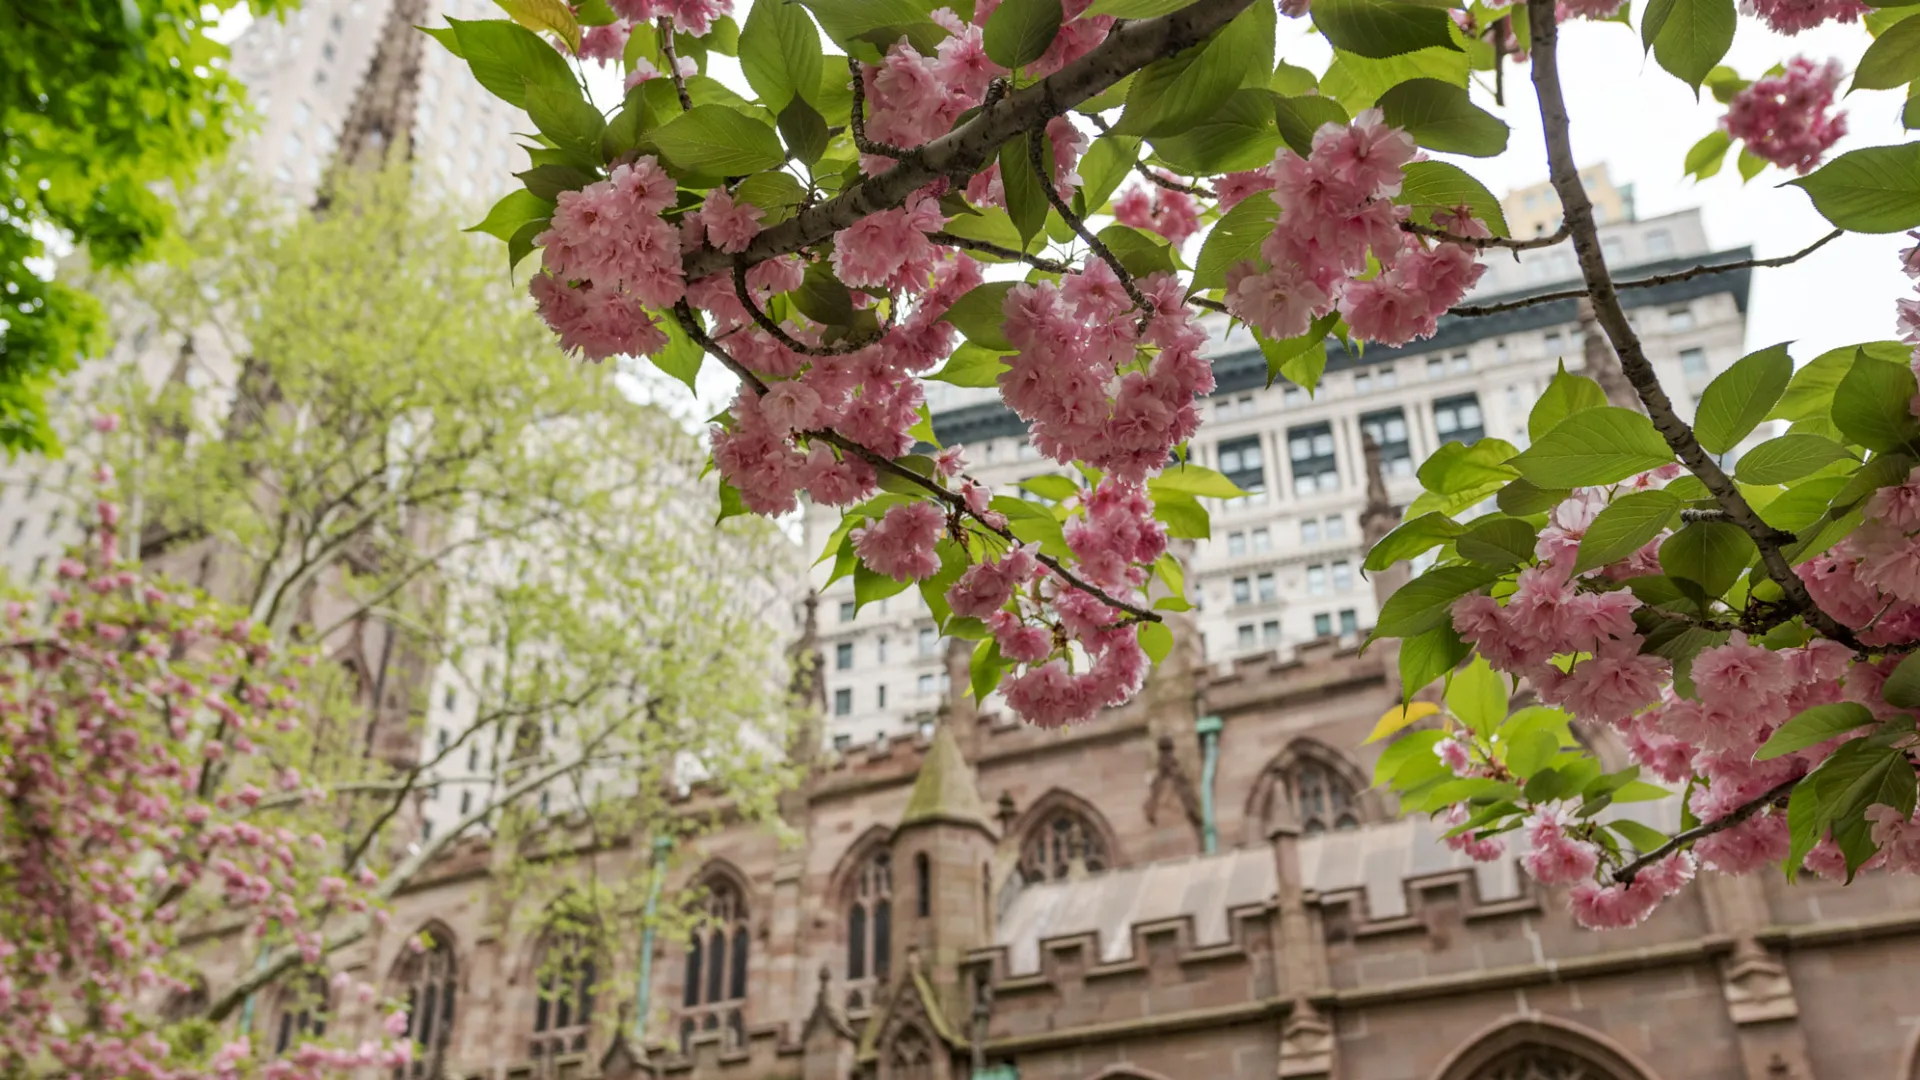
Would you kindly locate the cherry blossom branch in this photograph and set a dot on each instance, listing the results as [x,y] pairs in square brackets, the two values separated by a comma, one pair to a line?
[1482,243]
[956,505]
[779,333]
[971,146]
[1679,840]
[1036,159]
[1578,211]
[1703,270]
[1142,168]
[1038,262]
[664,30]
[858,118]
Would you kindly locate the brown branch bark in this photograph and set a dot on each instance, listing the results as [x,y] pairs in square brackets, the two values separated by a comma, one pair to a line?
[1482,243]
[970,147]
[663,28]
[1037,160]
[1051,266]
[1626,344]
[1679,840]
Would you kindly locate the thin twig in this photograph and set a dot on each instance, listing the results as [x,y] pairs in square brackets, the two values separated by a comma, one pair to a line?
[779,333]
[1143,169]
[858,119]
[1626,874]
[1038,262]
[1036,140]
[665,32]
[1481,243]
[1703,270]
[1578,211]
[957,505]
[1211,305]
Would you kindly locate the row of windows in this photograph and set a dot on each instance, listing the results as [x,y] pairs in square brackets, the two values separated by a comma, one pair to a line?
[926,685]
[927,641]
[1312,458]
[1266,635]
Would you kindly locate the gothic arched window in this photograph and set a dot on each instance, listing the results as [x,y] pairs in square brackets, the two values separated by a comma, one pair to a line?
[1323,800]
[563,1007]
[1540,1063]
[302,1014]
[426,980]
[870,920]
[911,1056]
[1062,838]
[717,965]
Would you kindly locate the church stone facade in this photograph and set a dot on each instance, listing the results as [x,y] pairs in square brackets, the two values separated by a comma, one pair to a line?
[1157,895]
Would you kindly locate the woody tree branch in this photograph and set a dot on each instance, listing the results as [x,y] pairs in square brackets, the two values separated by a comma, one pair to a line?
[1612,317]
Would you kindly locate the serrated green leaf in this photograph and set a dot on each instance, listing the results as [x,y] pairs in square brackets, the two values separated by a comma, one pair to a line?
[971,365]
[513,212]
[979,315]
[1300,360]
[1737,399]
[1382,28]
[1689,37]
[1477,696]
[1105,165]
[682,356]
[1430,186]
[1902,688]
[1706,156]
[1234,239]
[1565,395]
[1172,94]
[1892,60]
[1871,190]
[1428,655]
[1191,479]
[1814,726]
[1500,542]
[1410,538]
[1140,253]
[1711,554]
[1026,200]
[1870,407]
[1156,640]
[506,57]
[717,141]
[1240,134]
[1402,751]
[1426,601]
[1297,118]
[567,118]
[1643,838]
[1624,527]
[1789,457]
[780,53]
[1596,446]
[1440,116]
[1019,31]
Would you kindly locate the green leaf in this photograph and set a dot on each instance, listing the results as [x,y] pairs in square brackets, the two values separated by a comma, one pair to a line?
[1157,640]
[1806,825]
[1565,395]
[869,587]
[1411,538]
[1789,457]
[1902,688]
[1440,117]
[979,314]
[545,16]
[780,53]
[1424,602]
[1183,516]
[1499,542]
[566,118]
[1751,164]
[823,297]
[866,28]
[1643,838]
[1019,31]
[1238,135]
[1358,81]
[1530,751]
[506,58]
[1892,60]
[1477,695]
[1711,554]
[1523,497]
[520,244]
[971,365]
[990,224]
[1428,655]
[512,212]
[1861,774]
[1381,28]
[1597,446]
[1438,185]
[804,129]
[1468,469]
[1173,94]
[1872,190]
[1689,37]
[1234,239]
[1814,726]
[1105,165]
[1140,253]
[1810,394]
[1300,360]
[777,194]
[1870,407]
[1051,486]
[1136,9]
[682,356]
[1624,527]
[1704,159]
[1190,479]
[1737,399]
[1641,791]
[717,141]
[1405,750]
[1026,199]
[1297,118]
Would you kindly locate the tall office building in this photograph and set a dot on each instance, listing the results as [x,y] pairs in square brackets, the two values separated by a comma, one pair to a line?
[1283,566]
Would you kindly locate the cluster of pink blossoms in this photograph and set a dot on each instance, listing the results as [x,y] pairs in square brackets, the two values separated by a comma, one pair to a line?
[1336,206]
[1173,214]
[1793,16]
[605,257]
[694,17]
[1786,118]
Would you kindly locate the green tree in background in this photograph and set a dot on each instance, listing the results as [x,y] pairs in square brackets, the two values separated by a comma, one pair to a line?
[101,101]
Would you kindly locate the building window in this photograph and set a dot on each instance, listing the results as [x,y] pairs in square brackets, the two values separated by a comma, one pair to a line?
[1309,530]
[1244,636]
[716,974]
[1317,579]
[1342,575]
[1311,450]
[922,884]
[1436,367]
[1553,343]
[843,656]
[1293,396]
[1240,461]
[1322,625]
[428,979]
[1336,527]
[1349,622]
[466,803]
[1323,800]
[303,1014]
[1268,591]
[1362,382]
[1659,243]
[843,702]
[1458,419]
[13,536]
[870,921]
[1057,843]
[1460,363]
[925,685]
[1242,590]
[847,610]
[1270,633]
[842,742]
[1388,430]
[53,522]
[1236,543]
[880,696]
[928,641]
[1680,318]
[1612,251]
[1693,361]
[1262,540]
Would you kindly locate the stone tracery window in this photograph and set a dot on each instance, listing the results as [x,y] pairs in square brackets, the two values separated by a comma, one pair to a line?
[1052,847]
[302,1014]
[567,979]
[1539,1063]
[714,992]
[426,980]
[1323,800]
[869,924]
[911,1056]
